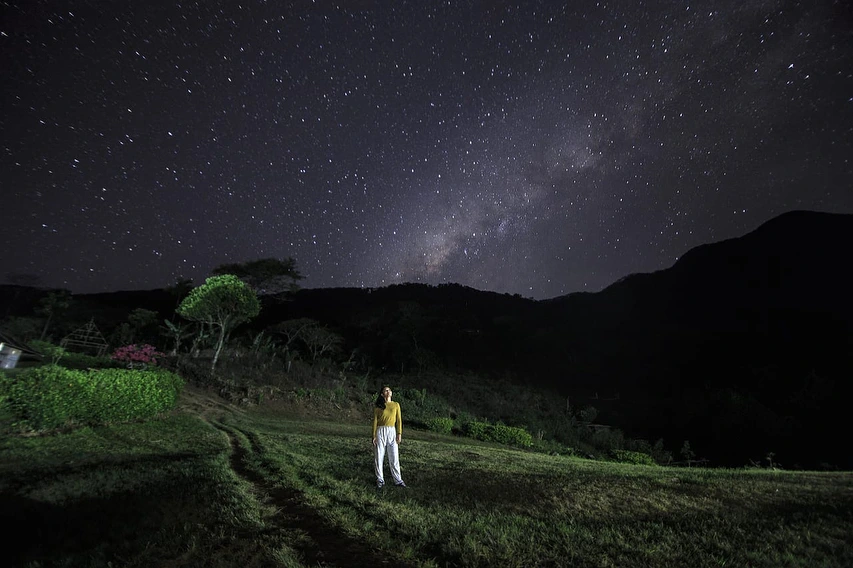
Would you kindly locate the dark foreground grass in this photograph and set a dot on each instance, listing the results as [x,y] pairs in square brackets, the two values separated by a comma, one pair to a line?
[184,491]
[160,493]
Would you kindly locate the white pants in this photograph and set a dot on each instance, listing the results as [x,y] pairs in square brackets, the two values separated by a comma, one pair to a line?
[386,439]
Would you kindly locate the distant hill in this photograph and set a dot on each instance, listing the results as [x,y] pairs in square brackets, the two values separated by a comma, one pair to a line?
[797,262]
[741,343]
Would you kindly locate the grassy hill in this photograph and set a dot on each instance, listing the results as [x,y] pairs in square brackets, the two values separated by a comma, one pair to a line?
[292,485]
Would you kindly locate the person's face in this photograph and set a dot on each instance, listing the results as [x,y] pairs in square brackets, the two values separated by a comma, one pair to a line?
[386,393]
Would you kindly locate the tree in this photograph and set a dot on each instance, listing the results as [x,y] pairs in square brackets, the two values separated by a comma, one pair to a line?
[222,302]
[266,276]
[141,321]
[52,305]
[319,341]
[294,330]
[177,333]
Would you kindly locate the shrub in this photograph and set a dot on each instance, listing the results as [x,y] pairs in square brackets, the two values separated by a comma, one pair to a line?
[501,433]
[419,406]
[139,356]
[478,430]
[48,350]
[440,425]
[120,394]
[51,396]
[57,355]
[636,458]
[511,435]
[74,360]
[47,397]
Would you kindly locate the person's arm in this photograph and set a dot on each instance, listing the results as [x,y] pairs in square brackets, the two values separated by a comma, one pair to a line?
[375,421]
[399,423]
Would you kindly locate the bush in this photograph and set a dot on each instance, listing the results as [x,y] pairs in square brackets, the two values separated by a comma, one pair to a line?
[440,425]
[418,406]
[137,355]
[511,435]
[60,356]
[121,394]
[48,350]
[478,430]
[501,433]
[51,396]
[73,360]
[46,397]
[636,458]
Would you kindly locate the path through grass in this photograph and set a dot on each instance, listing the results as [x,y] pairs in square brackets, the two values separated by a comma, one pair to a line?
[212,486]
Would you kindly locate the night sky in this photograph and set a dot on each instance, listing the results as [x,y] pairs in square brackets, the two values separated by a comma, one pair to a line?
[538,148]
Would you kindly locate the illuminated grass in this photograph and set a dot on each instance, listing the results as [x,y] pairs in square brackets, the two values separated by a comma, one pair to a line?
[473,504]
[183,491]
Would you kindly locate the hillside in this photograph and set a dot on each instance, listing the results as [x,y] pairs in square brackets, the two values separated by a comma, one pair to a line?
[744,346]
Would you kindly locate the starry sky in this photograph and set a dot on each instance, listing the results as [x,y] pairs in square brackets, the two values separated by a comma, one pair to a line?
[538,148]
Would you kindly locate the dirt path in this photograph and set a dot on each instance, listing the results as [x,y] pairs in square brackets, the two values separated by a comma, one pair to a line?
[325,545]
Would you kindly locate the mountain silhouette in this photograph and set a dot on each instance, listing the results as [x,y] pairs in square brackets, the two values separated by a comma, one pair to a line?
[743,343]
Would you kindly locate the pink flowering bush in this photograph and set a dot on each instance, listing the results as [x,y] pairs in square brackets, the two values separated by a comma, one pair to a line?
[137,356]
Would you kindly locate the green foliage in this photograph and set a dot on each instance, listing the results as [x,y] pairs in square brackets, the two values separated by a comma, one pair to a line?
[657,451]
[477,430]
[222,300]
[419,406]
[636,458]
[440,425]
[500,433]
[74,360]
[49,397]
[69,359]
[54,353]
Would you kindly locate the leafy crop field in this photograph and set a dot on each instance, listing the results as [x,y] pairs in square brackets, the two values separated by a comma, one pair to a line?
[211,485]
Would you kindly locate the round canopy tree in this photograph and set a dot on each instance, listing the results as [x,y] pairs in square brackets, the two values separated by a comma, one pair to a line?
[223,302]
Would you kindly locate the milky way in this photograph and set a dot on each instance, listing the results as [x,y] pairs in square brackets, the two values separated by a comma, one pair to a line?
[537,148]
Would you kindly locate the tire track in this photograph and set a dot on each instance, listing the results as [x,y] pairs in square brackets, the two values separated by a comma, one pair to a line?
[325,545]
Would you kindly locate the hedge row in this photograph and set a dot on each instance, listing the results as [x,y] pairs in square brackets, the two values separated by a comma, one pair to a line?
[636,458]
[440,425]
[500,433]
[49,397]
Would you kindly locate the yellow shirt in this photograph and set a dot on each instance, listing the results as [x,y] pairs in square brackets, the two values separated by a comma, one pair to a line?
[388,416]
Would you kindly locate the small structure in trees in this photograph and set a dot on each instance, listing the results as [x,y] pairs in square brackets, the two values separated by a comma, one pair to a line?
[86,339]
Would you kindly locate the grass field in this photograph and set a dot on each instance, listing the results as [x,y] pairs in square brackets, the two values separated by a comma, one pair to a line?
[211,485]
